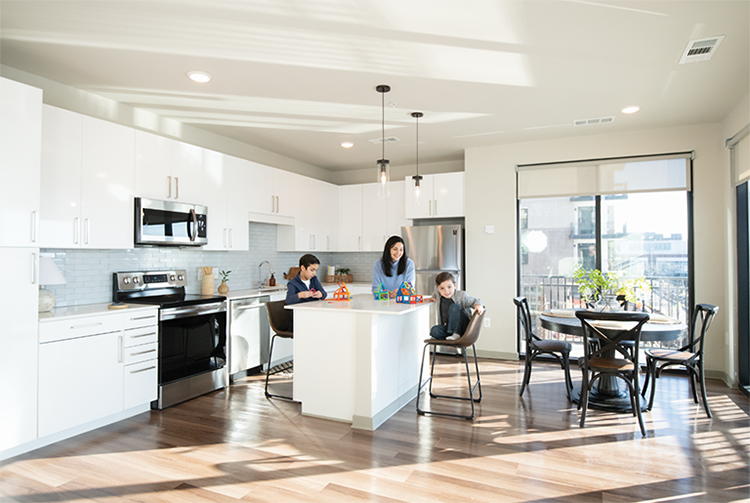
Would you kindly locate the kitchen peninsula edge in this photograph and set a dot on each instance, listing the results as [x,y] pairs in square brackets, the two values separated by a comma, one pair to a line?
[357,361]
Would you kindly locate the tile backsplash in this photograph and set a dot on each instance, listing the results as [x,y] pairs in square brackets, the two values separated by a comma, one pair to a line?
[89,272]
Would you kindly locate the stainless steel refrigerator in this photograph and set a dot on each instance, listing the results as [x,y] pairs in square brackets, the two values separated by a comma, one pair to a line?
[434,249]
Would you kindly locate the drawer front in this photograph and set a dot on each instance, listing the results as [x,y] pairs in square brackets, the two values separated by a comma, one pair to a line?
[139,353]
[51,331]
[141,318]
[140,383]
[140,336]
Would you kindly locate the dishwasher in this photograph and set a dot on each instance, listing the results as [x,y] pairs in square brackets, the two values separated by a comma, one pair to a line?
[249,335]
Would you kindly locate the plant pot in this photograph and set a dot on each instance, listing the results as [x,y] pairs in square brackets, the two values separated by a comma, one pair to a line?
[223,288]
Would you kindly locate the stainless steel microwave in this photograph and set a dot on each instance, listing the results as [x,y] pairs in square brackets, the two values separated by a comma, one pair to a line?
[169,223]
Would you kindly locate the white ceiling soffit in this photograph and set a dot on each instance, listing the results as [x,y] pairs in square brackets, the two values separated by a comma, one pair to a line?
[591,122]
[700,50]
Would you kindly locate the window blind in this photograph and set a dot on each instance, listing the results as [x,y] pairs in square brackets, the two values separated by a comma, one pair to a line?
[740,145]
[605,176]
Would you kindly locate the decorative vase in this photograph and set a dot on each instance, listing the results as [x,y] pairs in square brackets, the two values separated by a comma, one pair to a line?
[223,288]
[607,303]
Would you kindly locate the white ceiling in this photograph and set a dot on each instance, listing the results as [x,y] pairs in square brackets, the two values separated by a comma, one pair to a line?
[298,77]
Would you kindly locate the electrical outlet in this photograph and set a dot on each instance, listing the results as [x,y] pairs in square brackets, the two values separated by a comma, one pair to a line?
[487,323]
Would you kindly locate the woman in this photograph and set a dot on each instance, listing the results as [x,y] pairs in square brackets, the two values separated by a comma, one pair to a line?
[393,268]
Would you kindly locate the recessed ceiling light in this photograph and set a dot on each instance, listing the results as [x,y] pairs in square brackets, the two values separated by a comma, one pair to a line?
[630,110]
[347,144]
[199,76]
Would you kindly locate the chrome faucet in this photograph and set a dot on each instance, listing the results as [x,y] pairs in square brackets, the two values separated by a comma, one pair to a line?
[260,268]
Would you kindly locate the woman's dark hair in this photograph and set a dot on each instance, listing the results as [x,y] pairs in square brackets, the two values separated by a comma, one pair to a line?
[386,258]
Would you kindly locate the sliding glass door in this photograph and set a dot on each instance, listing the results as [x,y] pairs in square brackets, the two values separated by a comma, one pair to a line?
[643,233]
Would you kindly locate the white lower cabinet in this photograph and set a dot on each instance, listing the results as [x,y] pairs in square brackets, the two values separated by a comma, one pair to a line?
[95,366]
[18,346]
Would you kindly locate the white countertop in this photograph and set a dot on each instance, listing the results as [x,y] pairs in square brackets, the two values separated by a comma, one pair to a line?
[254,292]
[361,303]
[89,310]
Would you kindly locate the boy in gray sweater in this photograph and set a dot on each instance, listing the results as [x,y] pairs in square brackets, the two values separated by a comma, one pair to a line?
[455,308]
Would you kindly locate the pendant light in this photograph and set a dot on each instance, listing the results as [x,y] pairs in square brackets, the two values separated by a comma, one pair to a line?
[384,166]
[417,196]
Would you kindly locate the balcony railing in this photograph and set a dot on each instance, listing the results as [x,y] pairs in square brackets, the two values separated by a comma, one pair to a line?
[668,296]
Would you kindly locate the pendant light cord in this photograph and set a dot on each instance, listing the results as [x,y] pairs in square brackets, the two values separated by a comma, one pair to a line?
[382,130]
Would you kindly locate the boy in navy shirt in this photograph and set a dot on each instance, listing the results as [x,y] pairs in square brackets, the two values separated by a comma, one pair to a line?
[305,287]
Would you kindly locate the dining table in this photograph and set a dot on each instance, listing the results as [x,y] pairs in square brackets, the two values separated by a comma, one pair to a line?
[607,394]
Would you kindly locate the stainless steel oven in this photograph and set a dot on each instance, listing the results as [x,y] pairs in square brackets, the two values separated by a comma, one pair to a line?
[170,223]
[192,333]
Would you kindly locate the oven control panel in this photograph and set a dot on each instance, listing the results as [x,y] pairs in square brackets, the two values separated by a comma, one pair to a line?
[142,280]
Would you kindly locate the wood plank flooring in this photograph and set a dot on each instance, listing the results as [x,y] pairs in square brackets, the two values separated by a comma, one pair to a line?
[235,445]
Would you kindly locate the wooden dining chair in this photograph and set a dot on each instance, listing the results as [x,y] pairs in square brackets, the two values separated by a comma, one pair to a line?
[467,339]
[281,321]
[605,355]
[536,346]
[689,356]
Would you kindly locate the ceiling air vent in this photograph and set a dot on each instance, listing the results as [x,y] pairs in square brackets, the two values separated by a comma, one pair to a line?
[591,122]
[700,50]
[389,139]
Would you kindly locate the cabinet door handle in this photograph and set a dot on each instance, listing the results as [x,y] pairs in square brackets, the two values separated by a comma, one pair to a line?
[272,204]
[33,268]
[277,204]
[359,243]
[143,370]
[87,231]
[435,207]
[328,242]
[142,335]
[231,238]
[169,187]
[176,188]
[143,352]
[76,230]
[150,317]
[74,327]
[429,207]
[119,349]
[34,225]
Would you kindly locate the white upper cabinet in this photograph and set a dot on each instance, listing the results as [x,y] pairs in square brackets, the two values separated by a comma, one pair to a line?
[239,176]
[88,168]
[374,218]
[350,218]
[108,169]
[442,196]
[330,217]
[226,180]
[396,210]
[167,169]
[260,193]
[20,140]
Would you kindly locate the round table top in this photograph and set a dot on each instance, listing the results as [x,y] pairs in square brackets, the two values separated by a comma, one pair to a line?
[649,332]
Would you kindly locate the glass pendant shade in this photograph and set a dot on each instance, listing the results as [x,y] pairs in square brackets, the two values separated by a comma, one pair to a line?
[384,176]
[417,196]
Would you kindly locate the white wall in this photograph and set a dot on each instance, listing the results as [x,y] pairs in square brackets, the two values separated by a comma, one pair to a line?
[491,200]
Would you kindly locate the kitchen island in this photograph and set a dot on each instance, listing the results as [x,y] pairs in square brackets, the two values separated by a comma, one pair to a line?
[357,361]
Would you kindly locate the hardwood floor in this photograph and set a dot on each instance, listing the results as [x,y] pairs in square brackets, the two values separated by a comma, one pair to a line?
[235,445]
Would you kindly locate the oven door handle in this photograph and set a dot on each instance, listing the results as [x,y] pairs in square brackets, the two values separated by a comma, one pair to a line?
[173,313]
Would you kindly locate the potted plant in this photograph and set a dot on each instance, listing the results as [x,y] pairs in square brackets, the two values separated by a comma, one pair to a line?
[223,287]
[342,275]
[606,289]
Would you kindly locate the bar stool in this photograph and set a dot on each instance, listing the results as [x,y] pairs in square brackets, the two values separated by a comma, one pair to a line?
[281,321]
[468,338]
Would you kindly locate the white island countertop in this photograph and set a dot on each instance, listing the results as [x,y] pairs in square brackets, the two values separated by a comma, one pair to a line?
[360,303]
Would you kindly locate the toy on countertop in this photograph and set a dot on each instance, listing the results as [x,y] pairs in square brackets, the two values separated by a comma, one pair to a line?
[381,293]
[407,294]
[342,293]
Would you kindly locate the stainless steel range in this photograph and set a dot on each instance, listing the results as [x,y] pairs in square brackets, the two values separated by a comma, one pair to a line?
[192,332]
